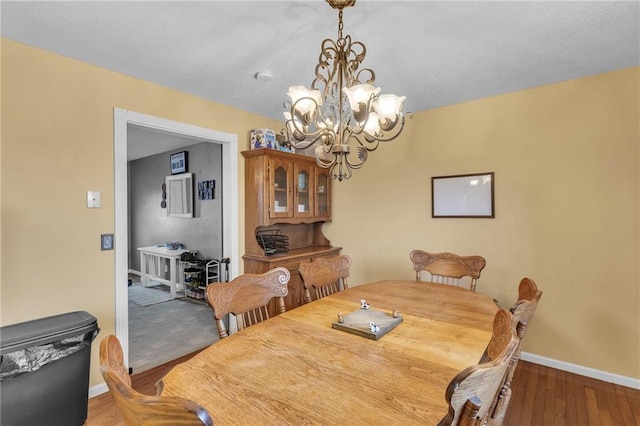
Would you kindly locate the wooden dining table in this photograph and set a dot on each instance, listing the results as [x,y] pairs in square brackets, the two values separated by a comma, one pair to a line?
[296,369]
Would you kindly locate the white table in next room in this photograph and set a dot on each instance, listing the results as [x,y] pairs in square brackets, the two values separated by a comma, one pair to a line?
[152,266]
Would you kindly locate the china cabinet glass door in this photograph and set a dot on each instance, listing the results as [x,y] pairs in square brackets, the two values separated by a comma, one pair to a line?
[322,193]
[280,189]
[304,184]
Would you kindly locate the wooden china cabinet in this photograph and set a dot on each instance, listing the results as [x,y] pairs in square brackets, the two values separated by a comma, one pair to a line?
[289,195]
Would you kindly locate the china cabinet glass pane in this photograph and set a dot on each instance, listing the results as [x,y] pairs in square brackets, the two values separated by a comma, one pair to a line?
[303,192]
[280,190]
[322,193]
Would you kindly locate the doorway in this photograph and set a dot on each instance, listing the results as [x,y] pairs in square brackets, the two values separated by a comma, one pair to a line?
[230,243]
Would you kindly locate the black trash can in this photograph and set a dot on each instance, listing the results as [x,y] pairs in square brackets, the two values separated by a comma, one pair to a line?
[44,370]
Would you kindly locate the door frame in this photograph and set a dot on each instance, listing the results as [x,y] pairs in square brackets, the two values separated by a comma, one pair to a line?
[230,233]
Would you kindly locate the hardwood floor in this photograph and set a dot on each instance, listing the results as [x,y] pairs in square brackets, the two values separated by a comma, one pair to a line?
[546,396]
[541,396]
[102,410]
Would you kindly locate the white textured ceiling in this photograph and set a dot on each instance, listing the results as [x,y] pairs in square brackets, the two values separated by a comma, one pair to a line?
[435,52]
[144,142]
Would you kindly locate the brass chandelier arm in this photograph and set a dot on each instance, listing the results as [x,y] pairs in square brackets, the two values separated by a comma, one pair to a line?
[334,59]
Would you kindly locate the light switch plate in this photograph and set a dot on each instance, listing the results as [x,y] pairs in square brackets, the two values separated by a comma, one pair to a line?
[106,242]
[93,199]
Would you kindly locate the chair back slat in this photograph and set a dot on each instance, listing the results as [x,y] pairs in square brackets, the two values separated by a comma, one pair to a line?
[253,316]
[447,268]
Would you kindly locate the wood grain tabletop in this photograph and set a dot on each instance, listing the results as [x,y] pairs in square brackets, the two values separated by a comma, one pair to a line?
[296,369]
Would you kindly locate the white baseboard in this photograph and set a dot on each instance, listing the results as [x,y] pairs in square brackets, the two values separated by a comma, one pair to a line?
[98,390]
[134,272]
[583,371]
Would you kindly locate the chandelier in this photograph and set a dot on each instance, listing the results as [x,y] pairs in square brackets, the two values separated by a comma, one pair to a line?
[342,114]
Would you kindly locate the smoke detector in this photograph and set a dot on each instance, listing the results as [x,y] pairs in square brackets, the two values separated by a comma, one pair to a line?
[264,75]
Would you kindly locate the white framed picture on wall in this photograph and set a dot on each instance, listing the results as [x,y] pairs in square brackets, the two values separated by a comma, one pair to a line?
[463,196]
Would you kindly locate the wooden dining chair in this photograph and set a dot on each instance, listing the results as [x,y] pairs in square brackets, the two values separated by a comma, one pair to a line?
[326,275]
[247,297]
[144,410]
[523,311]
[472,394]
[447,268]
[528,290]
[525,307]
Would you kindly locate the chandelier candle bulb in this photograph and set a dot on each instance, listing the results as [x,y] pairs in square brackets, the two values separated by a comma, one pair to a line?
[305,102]
[372,126]
[341,113]
[388,107]
[359,98]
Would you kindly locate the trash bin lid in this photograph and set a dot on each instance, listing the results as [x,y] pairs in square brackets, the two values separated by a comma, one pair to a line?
[45,330]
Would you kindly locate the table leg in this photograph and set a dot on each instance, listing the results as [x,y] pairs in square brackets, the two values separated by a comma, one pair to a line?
[143,269]
[173,264]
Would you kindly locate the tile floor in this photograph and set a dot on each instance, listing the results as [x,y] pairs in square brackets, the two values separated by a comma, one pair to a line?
[165,331]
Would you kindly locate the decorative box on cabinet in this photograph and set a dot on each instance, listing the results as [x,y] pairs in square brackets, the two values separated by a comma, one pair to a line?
[290,193]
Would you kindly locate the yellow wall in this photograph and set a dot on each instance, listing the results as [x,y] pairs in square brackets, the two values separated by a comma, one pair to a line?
[567,196]
[57,143]
[565,158]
